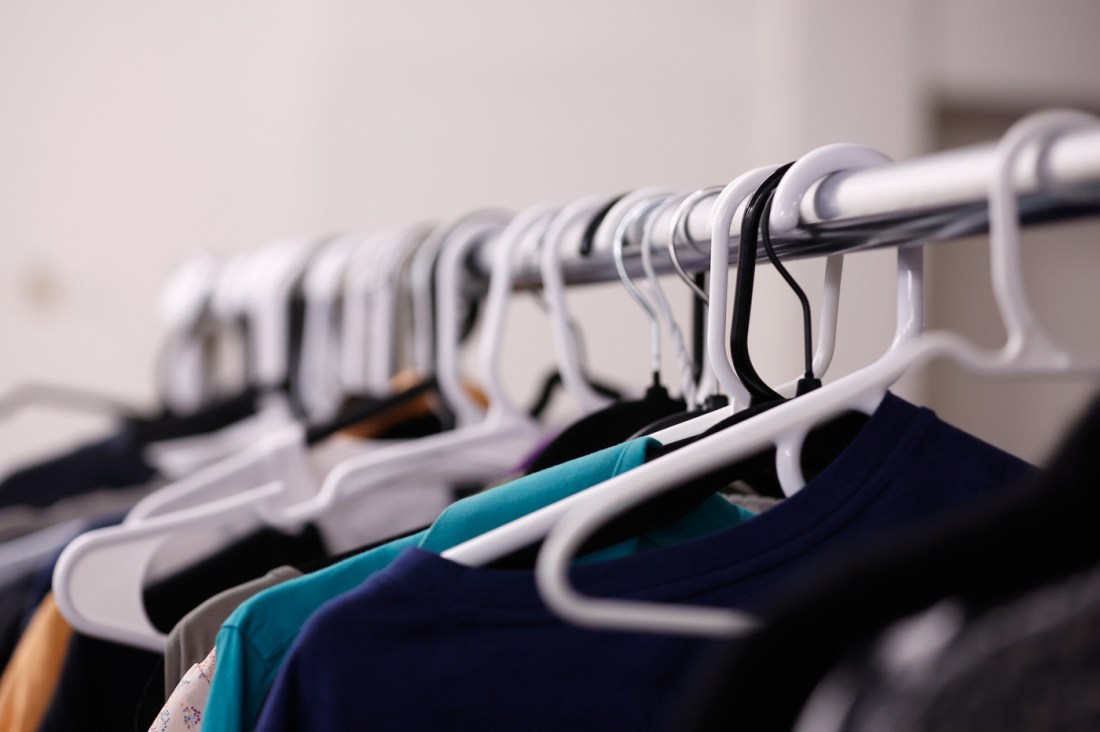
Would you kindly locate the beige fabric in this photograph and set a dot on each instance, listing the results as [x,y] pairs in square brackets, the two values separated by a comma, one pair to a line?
[185,707]
[32,674]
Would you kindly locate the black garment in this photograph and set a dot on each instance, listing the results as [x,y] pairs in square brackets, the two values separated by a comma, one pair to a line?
[1031,665]
[13,598]
[315,565]
[168,426]
[102,682]
[1041,532]
[608,427]
[169,599]
[115,462]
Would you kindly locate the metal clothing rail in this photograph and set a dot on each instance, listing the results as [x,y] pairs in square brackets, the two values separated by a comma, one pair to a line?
[932,198]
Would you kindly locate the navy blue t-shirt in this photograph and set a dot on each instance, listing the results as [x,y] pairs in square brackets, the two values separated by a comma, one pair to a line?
[114,462]
[430,644]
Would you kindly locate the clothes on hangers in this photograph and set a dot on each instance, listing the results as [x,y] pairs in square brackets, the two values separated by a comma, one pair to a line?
[921,580]
[1020,539]
[609,426]
[255,639]
[193,636]
[114,695]
[118,460]
[186,692]
[497,658]
[113,462]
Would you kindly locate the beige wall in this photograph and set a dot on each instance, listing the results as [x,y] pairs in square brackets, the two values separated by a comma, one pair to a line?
[133,133]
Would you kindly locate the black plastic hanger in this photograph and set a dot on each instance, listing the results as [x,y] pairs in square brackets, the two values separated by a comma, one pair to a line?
[753,225]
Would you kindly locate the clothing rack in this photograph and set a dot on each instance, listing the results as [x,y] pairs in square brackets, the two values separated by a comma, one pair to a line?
[933,198]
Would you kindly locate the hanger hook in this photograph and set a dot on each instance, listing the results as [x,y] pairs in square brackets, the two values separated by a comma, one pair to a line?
[636,212]
[1028,345]
[660,301]
[742,296]
[678,225]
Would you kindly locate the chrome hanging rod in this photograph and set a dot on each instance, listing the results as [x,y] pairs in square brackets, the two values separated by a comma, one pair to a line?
[933,198]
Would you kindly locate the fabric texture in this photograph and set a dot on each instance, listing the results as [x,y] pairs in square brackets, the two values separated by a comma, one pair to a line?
[192,638]
[13,596]
[254,641]
[183,711]
[114,694]
[605,428]
[494,657]
[114,462]
[1029,536]
[30,679]
[1032,665]
[17,521]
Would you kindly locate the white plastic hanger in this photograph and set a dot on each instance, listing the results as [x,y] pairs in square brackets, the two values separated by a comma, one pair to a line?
[730,207]
[384,288]
[99,577]
[237,286]
[269,309]
[184,382]
[454,254]
[557,237]
[355,333]
[786,203]
[421,286]
[677,230]
[222,498]
[688,387]
[730,202]
[1028,351]
[367,340]
[317,384]
[505,422]
[567,524]
[636,214]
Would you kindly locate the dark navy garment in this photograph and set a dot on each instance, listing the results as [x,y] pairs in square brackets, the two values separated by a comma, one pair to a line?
[115,462]
[430,644]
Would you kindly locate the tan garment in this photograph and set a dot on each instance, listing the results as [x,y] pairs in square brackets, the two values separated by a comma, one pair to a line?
[29,680]
[421,406]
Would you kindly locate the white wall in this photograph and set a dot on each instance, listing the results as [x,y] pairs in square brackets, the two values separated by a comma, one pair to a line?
[135,132]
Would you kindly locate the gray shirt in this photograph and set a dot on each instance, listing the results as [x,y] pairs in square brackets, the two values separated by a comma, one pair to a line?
[193,637]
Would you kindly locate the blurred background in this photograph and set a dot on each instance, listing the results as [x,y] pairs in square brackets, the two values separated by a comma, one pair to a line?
[134,134]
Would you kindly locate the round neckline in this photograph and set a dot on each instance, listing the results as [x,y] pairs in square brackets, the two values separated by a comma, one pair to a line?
[785,531]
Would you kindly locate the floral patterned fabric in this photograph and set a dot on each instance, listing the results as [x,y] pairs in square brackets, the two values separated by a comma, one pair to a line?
[184,708]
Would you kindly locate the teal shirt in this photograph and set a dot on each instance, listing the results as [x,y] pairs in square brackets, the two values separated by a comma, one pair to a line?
[253,642]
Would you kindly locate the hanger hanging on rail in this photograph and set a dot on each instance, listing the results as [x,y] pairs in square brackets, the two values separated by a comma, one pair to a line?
[252,488]
[619,420]
[782,475]
[677,231]
[1028,351]
[566,346]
